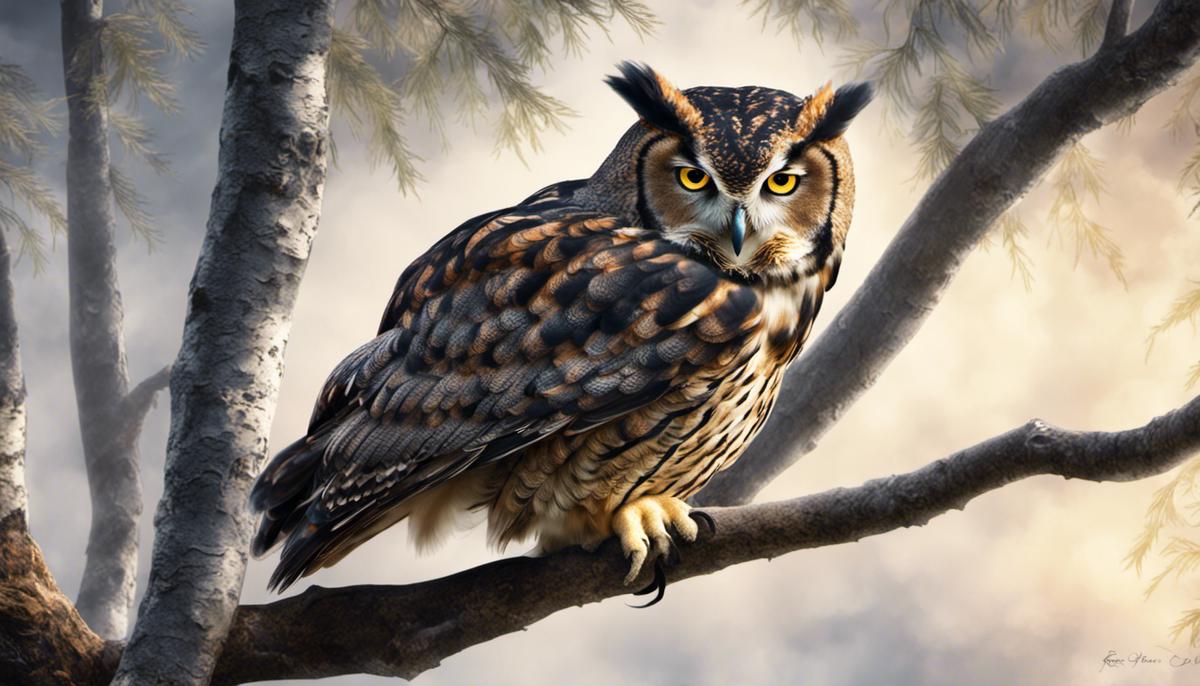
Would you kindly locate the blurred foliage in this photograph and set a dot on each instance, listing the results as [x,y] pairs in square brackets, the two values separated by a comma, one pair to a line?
[1181,553]
[469,58]
[132,46]
[25,116]
[1076,178]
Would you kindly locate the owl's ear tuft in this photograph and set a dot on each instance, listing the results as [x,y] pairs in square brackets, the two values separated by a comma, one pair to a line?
[847,102]
[659,103]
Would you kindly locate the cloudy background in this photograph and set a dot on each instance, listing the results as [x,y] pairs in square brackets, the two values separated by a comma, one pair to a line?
[1025,586]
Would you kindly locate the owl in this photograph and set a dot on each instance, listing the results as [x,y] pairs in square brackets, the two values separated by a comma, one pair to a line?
[575,366]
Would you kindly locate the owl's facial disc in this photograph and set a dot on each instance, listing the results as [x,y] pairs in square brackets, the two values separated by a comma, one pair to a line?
[769,228]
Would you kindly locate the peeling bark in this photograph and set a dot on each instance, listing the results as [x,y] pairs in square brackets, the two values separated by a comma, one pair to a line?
[225,382]
[996,168]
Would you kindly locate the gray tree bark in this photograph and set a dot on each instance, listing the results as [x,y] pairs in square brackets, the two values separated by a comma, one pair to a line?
[13,499]
[109,419]
[225,381]
[996,168]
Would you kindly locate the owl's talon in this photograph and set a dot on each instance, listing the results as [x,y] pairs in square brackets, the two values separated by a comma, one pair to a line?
[706,519]
[641,526]
[659,583]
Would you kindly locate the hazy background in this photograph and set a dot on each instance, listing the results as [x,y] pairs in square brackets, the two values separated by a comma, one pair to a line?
[1026,586]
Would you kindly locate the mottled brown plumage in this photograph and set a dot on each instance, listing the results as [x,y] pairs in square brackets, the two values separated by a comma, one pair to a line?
[578,364]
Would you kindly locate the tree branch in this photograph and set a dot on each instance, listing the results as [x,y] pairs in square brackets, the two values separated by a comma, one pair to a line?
[138,402]
[1000,164]
[1118,22]
[406,630]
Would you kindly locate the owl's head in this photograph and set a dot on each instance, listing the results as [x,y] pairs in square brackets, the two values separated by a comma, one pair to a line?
[757,180]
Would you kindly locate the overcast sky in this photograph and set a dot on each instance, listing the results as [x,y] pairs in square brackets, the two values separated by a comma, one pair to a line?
[1024,586]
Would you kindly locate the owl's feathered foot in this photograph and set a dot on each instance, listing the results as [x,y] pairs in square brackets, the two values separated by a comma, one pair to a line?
[641,527]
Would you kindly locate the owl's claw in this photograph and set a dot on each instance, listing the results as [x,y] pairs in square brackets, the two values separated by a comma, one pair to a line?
[705,519]
[641,526]
[659,583]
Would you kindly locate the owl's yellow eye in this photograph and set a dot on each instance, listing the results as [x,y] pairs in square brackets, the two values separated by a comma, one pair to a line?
[782,184]
[691,178]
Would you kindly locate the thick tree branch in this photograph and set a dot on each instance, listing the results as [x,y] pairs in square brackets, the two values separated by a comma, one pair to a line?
[1118,22]
[405,630]
[225,381]
[13,499]
[1000,164]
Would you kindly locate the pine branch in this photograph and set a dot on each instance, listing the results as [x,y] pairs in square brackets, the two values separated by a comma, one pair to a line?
[133,206]
[373,108]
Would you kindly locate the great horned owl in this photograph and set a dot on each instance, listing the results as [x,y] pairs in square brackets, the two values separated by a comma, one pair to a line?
[577,365]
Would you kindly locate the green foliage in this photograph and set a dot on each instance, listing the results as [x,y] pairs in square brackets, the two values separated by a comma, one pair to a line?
[460,57]
[24,117]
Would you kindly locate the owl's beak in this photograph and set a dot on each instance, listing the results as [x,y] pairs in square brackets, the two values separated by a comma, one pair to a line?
[738,234]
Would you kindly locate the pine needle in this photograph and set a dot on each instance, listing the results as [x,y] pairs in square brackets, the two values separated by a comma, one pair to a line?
[373,107]
[1076,178]
[138,139]
[1186,308]
[133,206]
[1159,514]
[1183,556]
[168,18]
[1012,232]
[1189,623]
[814,19]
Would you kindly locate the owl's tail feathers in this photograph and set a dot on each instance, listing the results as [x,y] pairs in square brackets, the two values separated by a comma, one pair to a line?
[284,490]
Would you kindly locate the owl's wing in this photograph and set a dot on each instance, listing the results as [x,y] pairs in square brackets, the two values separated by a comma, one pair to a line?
[515,326]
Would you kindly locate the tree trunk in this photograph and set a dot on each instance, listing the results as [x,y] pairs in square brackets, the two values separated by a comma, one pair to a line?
[225,382]
[13,500]
[997,167]
[97,343]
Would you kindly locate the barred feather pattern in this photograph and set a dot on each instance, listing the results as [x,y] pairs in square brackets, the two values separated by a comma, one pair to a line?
[563,361]
[544,365]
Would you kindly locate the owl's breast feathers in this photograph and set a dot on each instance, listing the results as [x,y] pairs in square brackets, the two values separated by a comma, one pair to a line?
[564,359]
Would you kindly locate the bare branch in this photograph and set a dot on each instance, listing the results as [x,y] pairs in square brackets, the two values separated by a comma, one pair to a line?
[138,402]
[1000,164]
[324,632]
[1118,22]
